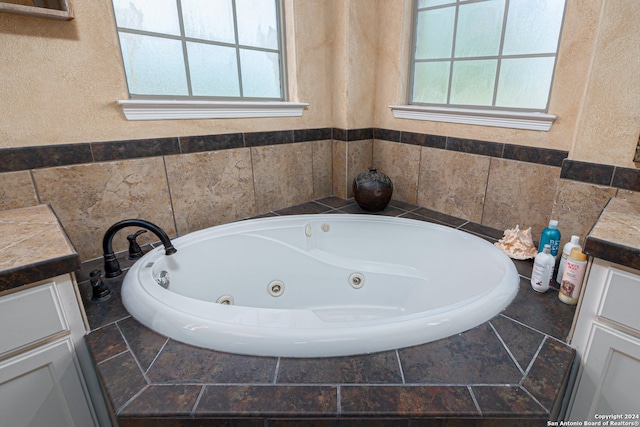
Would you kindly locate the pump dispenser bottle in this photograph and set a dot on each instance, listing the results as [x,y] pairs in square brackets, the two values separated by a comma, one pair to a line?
[550,236]
[542,273]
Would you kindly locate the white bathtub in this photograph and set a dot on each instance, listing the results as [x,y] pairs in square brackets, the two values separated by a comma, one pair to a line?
[320,285]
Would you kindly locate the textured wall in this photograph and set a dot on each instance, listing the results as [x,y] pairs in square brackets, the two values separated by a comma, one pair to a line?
[61,79]
[348,60]
[609,124]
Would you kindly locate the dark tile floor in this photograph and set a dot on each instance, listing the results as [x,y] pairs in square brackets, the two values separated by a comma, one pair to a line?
[511,370]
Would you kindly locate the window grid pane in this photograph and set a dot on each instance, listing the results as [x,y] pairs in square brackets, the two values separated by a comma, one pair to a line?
[205,46]
[504,53]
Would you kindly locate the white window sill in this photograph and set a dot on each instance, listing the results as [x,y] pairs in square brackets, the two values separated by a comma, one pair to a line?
[145,109]
[496,118]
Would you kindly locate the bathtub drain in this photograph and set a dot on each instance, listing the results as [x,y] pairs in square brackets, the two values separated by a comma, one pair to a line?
[276,288]
[225,300]
[163,279]
[356,280]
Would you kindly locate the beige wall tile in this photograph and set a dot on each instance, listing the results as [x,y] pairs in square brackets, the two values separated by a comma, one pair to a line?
[89,198]
[359,159]
[16,190]
[322,170]
[633,196]
[401,162]
[339,169]
[521,194]
[349,159]
[210,188]
[282,175]
[577,206]
[453,183]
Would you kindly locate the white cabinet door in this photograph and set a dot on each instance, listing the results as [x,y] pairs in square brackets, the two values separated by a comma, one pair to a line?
[609,378]
[44,387]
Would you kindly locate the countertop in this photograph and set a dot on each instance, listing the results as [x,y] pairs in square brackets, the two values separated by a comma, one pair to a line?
[510,370]
[33,247]
[615,236]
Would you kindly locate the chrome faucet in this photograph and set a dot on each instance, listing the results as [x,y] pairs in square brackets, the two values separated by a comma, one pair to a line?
[111,264]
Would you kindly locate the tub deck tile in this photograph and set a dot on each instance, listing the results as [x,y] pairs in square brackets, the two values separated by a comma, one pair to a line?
[304,209]
[176,400]
[548,375]
[472,357]
[122,378]
[522,342]
[500,401]
[179,362]
[388,211]
[105,343]
[268,401]
[377,368]
[543,312]
[144,343]
[407,401]
[511,370]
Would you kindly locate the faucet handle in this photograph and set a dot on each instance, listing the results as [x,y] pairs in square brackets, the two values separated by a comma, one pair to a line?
[99,291]
[135,251]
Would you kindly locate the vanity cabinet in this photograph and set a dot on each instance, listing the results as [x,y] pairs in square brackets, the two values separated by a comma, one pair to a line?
[42,353]
[607,340]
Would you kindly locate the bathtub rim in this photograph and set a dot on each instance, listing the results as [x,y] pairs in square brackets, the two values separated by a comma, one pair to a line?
[201,332]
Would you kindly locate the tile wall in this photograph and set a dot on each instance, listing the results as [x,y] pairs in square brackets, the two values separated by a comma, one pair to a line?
[187,183]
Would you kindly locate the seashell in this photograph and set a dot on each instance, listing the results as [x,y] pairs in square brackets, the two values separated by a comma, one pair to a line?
[517,243]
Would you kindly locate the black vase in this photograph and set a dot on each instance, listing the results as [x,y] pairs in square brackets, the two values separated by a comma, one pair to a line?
[372,190]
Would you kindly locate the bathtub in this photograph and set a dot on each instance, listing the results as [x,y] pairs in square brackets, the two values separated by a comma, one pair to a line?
[319,285]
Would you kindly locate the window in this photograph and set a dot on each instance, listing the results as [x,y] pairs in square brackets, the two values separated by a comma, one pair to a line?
[202,50]
[485,55]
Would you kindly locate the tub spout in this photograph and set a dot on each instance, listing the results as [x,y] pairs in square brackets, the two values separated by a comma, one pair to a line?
[111,265]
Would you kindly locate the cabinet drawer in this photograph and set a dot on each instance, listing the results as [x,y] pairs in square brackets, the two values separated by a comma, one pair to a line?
[620,299]
[29,316]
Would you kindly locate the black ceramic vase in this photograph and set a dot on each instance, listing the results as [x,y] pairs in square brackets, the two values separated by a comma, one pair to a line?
[372,190]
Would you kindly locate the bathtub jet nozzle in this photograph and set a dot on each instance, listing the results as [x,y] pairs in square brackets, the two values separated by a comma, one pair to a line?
[111,264]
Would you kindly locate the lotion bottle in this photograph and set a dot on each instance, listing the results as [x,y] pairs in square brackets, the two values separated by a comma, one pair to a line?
[542,273]
[566,251]
[550,236]
[573,277]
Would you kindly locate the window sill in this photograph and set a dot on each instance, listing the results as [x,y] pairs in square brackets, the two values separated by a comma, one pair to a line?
[172,109]
[496,118]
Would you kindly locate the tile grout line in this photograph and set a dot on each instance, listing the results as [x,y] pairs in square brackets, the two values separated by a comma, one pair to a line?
[400,366]
[475,401]
[197,402]
[495,331]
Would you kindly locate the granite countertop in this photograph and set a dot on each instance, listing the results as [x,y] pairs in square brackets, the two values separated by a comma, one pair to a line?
[33,247]
[510,370]
[615,237]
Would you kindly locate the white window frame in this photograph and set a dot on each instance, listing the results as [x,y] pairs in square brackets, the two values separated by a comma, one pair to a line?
[526,120]
[175,108]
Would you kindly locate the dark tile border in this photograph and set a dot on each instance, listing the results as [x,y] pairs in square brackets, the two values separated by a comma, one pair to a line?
[31,273]
[587,172]
[122,150]
[16,159]
[612,252]
[36,157]
[474,146]
[304,135]
[627,179]
[424,140]
[534,155]
[198,144]
[353,134]
[260,139]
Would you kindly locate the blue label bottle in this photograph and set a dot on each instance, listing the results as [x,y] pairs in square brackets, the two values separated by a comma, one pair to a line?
[550,236]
